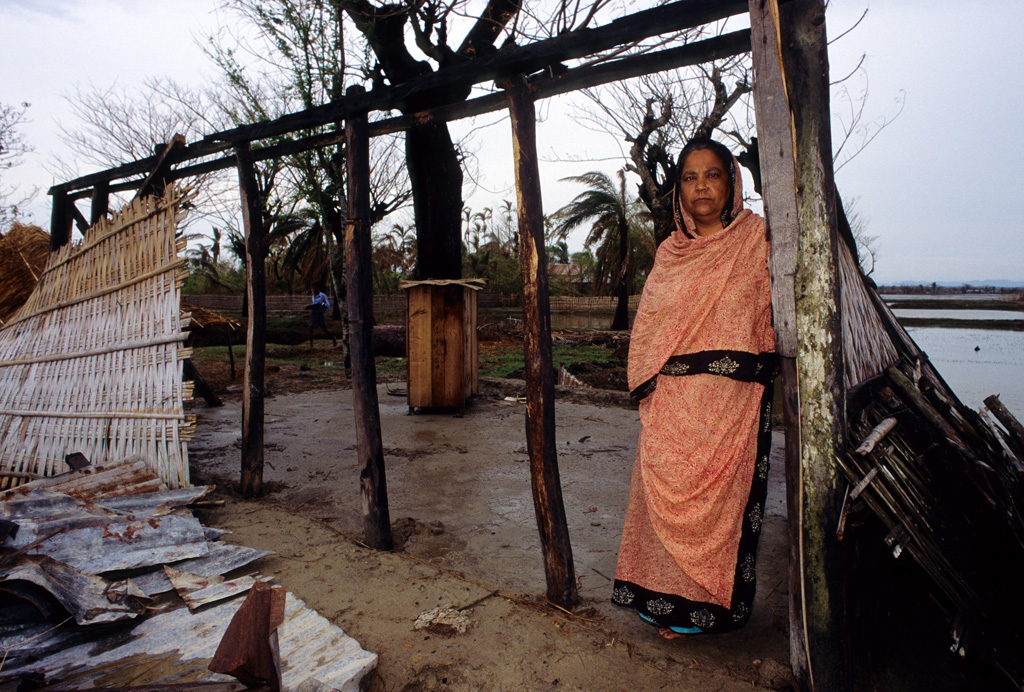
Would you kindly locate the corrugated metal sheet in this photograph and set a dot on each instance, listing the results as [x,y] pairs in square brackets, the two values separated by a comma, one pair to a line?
[87,597]
[313,651]
[91,529]
[222,559]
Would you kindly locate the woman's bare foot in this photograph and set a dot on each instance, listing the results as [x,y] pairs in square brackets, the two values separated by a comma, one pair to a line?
[668,633]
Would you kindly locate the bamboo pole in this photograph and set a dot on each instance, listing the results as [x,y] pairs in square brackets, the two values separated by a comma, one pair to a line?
[358,279]
[791,98]
[251,481]
[540,383]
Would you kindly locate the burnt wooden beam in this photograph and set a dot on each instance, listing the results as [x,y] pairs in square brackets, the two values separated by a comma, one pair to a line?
[100,202]
[79,217]
[251,481]
[541,86]
[511,60]
[540,379]
[792,112]
[139,167]
[169,153]
[359,282]
[60,220]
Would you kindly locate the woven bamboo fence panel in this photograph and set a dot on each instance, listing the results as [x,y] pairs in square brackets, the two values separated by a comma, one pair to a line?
[92,362]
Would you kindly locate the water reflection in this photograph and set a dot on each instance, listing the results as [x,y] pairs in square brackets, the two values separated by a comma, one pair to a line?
[977,363]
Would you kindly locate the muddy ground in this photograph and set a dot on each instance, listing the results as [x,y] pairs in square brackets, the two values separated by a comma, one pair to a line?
[466,537]
[463,518]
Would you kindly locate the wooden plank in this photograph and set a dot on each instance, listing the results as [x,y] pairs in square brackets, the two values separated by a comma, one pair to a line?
[540,382]
[251,481]
[791,98]
[60,221]
[100,202]
[359,282]
[472,345]
[418,342]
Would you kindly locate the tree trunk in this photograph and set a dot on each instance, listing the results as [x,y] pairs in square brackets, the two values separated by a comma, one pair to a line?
[621,320]
[436,178]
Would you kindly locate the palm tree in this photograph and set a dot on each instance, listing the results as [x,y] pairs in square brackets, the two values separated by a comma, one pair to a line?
[609,212]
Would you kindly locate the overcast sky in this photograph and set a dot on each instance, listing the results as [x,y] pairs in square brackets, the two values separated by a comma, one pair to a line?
[939,186]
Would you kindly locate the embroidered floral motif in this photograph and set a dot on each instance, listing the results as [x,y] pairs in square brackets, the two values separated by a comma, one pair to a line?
[724,366]
[675,369]
[749,573]
[758,369]
[767,417]
[659,606]
[755,516]
[703,619]
[762,467]
[740,612]
[622,595]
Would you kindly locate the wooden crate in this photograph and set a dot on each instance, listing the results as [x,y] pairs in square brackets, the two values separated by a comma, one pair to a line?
[441,345]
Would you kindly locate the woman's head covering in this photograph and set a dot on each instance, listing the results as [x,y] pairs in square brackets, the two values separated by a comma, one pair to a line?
[734,202]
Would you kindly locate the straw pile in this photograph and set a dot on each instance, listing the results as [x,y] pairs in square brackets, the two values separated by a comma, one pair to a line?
[23,253]
[92,362]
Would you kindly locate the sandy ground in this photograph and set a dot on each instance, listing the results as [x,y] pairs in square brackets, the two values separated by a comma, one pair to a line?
[462,512]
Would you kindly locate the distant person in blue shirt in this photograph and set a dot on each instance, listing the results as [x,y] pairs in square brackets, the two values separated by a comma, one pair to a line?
[318,313]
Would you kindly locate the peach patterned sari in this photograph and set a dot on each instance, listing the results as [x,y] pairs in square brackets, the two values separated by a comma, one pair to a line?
[701,360]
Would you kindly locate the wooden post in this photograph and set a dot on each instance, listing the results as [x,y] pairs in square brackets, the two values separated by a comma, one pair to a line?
[359,284]
[100,202]
[251,483]
[793,128]
[60,220]
[540,381]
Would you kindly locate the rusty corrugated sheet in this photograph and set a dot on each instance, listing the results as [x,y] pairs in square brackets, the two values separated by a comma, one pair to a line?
[313,651]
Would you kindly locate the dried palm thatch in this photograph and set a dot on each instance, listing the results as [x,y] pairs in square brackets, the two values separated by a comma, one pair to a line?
[92,362]
[23,253]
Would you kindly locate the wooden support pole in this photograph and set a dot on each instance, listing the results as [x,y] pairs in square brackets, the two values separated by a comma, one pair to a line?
[792,112]
[359,282]
[202,387]
[540,380]
[60,220]
[100,202]
[251,483]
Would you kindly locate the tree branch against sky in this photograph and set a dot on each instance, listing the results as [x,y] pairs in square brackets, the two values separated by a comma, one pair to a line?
[13,148]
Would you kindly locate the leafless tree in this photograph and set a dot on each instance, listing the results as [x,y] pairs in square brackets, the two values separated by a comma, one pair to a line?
[13,148]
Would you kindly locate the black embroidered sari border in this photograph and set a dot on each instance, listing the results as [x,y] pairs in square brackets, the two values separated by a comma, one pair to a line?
[736,365]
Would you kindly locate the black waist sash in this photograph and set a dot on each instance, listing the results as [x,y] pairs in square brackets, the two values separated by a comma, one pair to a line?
[736,365]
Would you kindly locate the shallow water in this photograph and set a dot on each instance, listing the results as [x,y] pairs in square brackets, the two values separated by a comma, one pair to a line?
[960,314]
[996,367]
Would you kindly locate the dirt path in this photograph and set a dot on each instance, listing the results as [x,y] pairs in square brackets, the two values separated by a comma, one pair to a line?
[462,512]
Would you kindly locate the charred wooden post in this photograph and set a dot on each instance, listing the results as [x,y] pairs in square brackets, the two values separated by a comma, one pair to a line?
[791,98]
[359,284]
[60,220]
[99,202]
[251,483]
[540,381]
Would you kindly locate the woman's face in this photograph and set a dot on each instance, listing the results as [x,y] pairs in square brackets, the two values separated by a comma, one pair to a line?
[704,186]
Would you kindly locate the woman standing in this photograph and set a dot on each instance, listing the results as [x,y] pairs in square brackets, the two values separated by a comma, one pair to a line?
[701,363]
